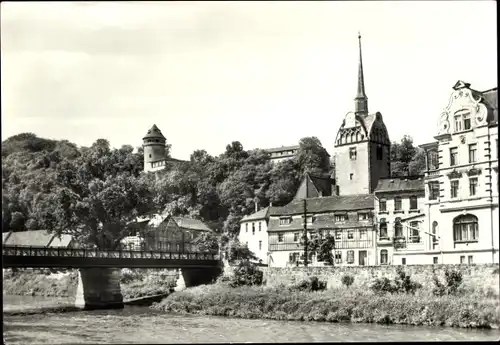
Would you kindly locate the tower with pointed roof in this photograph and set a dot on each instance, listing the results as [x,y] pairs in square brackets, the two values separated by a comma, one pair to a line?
[154,149]
[362,146]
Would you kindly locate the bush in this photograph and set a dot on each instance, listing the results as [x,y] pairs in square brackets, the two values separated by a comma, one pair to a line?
[402,284]
[246,273]
[310,284]
[347,280]
[453,280]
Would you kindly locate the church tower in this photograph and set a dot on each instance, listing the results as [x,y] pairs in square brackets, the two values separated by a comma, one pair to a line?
[362,146]
[154,149]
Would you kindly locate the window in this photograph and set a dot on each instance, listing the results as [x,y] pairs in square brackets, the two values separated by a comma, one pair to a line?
[169,246]
[285,220]
[246,227]
[433,190]
[435,260]
[472,153]
[178,247]
[338,234]
[469,260]
[465,228]
[462,259]
[453,156]
[253,228]
[351,176]
[350,235]
[340,217]
[380,153]
[415,236]
[362,234]
[280,237]
[454,188]
[435,241]
[150,155]
[472,186]
[462,120]
[260,245]
[413,203]
[384,257]
[433,160]
[397,203]
[350,256]
[309,219]
[403,261]
[362,216]
[352,153]
[338,257]
[398,228]
[383,229]
[296,237]
[382,204]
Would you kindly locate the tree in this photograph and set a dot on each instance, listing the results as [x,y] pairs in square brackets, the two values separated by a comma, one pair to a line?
[207,242]
[406,159]
[312,157]
[322,245]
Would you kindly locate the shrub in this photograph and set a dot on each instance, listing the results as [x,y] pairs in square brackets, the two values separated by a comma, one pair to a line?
[347,280]
[310,284]
[453,280]
[402,284]
[246,273]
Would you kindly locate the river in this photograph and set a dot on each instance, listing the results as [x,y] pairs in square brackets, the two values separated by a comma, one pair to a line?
[144,325]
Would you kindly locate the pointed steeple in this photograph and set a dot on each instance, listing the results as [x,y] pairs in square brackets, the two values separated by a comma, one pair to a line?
[361,101]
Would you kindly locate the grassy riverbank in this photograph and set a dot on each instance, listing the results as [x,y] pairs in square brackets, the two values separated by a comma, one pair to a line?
[134,283]
[336,305]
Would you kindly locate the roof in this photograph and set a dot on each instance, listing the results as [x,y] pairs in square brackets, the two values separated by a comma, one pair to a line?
[61,241]
[322,184]
[261,214]
[326,204]
[37,238]
[400,184]
[191,224]
[154,132]
[282,148]
[491,100]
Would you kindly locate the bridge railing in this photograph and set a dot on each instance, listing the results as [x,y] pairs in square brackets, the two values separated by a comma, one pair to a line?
[100,253]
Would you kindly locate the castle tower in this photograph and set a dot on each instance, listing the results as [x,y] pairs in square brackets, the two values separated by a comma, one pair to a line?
[154,149]
[362,146]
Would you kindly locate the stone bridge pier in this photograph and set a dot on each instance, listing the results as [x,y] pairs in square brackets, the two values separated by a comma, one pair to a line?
[99,288]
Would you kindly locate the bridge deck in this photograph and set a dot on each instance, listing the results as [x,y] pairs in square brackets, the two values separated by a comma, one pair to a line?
[24,256]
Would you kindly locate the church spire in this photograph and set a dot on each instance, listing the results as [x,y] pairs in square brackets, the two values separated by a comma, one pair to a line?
[361,101]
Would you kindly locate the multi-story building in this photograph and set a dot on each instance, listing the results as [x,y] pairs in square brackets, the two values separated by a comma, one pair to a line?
[155,153]
[349,218]
[279,154]
[462,179]
[400,211]
[253,232]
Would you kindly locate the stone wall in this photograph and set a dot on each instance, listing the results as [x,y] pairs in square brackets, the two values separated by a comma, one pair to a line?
[99,288]
[486,276]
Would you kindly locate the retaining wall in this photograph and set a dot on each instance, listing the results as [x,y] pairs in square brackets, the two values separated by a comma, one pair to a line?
[486,275]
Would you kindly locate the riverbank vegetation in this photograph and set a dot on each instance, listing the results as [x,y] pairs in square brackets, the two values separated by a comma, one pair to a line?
[397,301]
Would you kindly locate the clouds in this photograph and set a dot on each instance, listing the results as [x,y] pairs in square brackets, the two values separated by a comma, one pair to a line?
[264,73]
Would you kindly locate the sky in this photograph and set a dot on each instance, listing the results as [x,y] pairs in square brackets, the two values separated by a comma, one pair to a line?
[263,73]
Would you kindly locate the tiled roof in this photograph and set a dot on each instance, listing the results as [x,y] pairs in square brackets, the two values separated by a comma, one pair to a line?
[261,214]
[322,184]
[191,224]
[282,148]
[326,204]
[491,100]
[154,132]
[4,236]
[400,184]
[30,238]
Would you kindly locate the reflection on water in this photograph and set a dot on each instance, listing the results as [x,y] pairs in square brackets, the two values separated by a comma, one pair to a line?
[143,325]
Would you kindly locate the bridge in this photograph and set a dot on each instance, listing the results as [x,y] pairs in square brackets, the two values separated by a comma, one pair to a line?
[99,270]
[39,256]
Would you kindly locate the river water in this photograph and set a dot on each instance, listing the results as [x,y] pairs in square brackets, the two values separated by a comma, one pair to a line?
[144,325]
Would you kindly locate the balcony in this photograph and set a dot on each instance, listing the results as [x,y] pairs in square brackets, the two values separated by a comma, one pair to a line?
[399,242]
[384,240]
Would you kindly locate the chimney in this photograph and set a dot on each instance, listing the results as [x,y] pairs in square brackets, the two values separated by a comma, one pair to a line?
[270,204]
[256,206]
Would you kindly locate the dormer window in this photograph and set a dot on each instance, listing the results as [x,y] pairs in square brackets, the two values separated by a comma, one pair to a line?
[462,120]
[285,220]
[309,219]
[340,217]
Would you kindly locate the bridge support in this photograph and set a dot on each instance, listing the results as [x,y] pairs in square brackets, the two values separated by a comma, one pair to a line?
[99,288]
[189,277]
